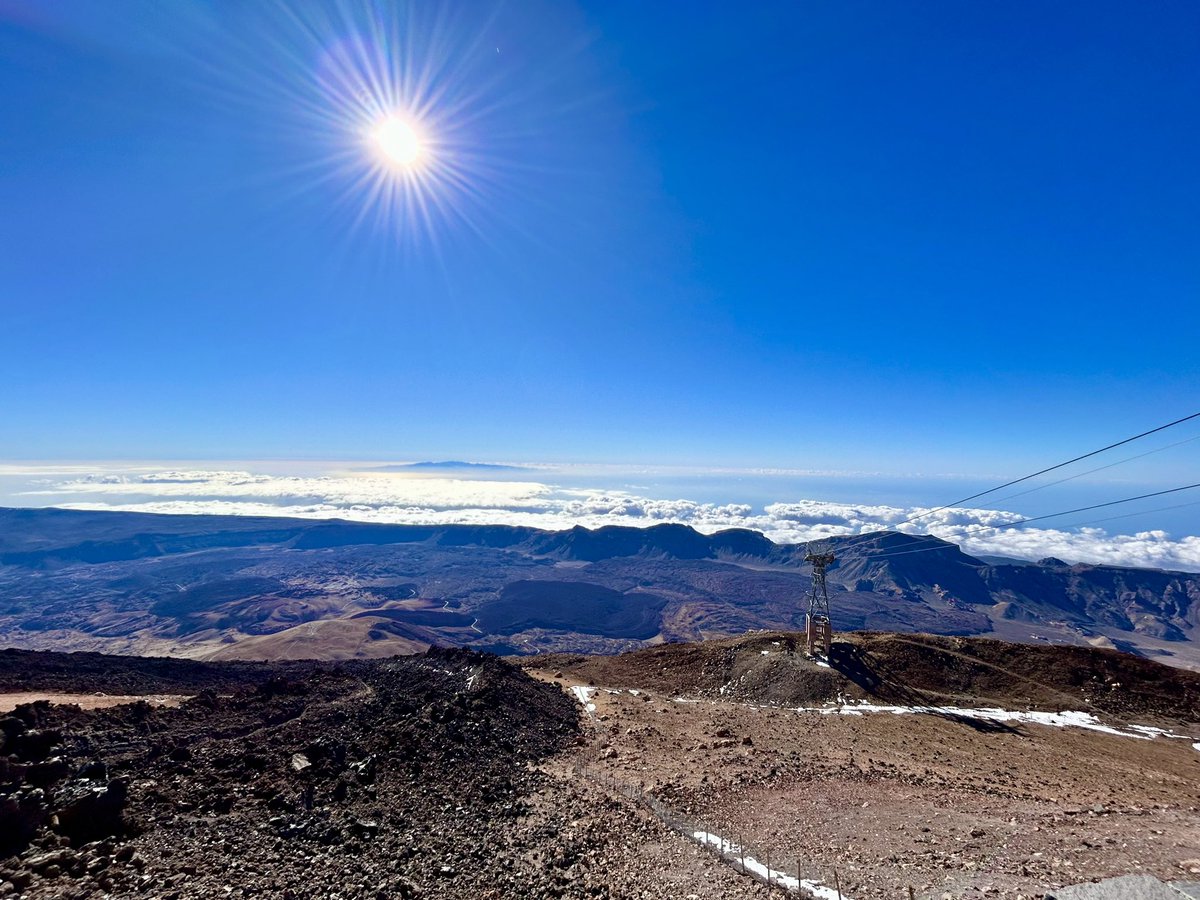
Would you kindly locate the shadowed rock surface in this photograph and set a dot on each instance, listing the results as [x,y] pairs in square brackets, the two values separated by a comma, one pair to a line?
[272,776]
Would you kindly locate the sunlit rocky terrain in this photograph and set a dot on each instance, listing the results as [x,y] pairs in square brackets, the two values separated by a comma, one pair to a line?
[210,587]
[945,765]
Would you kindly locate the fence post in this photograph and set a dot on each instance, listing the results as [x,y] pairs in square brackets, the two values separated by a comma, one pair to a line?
[837,884]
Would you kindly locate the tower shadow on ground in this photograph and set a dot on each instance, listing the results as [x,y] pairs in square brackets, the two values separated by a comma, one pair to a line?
[878,681]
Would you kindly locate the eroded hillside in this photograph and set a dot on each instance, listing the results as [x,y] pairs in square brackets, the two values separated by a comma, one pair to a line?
[237,588]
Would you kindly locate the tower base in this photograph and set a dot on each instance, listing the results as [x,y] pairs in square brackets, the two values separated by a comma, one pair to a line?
[818,632]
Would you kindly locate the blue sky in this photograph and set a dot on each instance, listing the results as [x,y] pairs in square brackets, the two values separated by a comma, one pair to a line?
[935,237]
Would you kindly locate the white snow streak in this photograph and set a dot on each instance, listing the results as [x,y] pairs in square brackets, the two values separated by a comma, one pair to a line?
[1064,719]
[731,851]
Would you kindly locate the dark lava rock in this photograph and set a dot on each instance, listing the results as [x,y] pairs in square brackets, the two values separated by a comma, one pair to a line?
[22,813]
[361,779]
[87,811]
[34,744]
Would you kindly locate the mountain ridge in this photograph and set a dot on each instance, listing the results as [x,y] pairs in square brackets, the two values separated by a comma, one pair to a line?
[183,583]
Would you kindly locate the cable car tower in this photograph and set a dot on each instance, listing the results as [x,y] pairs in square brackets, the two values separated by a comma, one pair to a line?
[818,630]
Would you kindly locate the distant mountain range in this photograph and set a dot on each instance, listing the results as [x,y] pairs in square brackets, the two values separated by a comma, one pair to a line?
[240,587]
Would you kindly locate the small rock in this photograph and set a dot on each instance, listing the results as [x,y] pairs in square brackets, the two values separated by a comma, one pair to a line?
[97,864]
[44,862]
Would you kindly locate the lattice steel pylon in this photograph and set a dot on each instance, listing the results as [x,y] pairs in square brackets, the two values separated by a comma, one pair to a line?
[818,628]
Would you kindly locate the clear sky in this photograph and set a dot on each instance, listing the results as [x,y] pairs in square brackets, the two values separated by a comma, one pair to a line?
[938,237]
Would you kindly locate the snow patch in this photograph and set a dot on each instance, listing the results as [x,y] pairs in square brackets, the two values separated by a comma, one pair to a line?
[1151,731]
[583,693]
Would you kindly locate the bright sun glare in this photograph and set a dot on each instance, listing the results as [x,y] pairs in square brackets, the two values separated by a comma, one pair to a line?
[398,143]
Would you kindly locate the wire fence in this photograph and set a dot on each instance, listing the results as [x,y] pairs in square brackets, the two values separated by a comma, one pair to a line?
[774,870]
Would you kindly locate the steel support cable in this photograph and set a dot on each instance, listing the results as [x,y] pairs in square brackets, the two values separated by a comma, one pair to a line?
[1186,487]
[1140,512]
[942,542]
[1061,465]
[917,539]
[1128,440]
[1097,469]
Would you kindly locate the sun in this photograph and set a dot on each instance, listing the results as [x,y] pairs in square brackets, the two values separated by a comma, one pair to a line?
[398,143]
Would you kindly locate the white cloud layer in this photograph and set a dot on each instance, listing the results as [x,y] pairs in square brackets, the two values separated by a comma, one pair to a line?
[425,500]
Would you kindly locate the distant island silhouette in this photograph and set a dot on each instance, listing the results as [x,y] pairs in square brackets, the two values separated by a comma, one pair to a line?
[449,464]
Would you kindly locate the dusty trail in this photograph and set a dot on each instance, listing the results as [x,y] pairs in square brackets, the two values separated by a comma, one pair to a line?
[11,700]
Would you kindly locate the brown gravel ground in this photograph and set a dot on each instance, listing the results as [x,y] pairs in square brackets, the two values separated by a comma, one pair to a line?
[453,775]
[626,849]
[951,808]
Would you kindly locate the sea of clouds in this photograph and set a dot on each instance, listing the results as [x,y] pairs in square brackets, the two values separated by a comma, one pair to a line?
[409,498]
